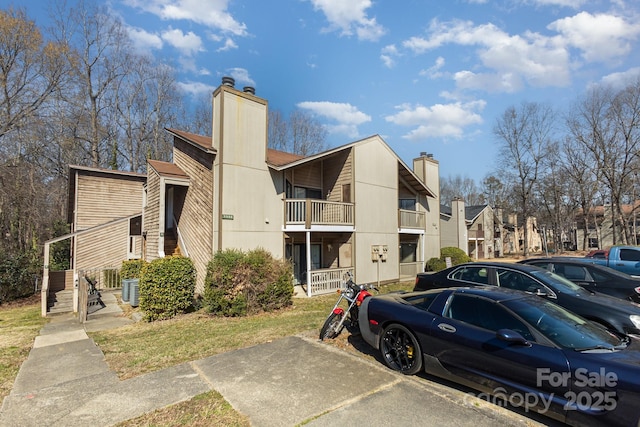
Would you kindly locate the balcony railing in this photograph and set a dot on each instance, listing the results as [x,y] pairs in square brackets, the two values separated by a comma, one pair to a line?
[318,212]
[411,219]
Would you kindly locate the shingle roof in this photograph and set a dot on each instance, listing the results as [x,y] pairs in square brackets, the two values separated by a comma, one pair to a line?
[471,212]
[200,140]
[167,169]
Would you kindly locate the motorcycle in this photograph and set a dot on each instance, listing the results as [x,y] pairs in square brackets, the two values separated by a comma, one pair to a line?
[339,318]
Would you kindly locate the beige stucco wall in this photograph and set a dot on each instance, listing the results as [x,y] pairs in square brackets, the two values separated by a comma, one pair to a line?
[376,200]
[248,197]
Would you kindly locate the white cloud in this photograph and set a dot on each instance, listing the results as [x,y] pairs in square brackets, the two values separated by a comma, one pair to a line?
[621,79]
[439,120]
[196,88]
[188,43]
[434,72]
[241,76]
[211,13]
[347,116]
[350,17]
[228,45]
[538,60]
[566,3]
[387,54]
[600,37]
[144,40]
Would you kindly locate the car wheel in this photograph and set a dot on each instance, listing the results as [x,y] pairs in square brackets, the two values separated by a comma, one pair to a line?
[400,350]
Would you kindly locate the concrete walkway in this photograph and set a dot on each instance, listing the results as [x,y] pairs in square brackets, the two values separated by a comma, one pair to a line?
[66,382]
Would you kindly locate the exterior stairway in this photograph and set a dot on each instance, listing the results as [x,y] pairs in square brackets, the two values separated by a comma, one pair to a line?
[171,244]
[60,302]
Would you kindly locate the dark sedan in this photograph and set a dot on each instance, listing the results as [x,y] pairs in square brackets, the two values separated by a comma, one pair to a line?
[591,276]
[623,316]
[512,347]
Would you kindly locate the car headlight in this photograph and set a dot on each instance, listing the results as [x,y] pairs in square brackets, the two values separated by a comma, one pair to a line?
[635,319]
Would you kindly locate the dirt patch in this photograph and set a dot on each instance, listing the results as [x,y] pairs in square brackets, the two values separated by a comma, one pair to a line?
[22,302]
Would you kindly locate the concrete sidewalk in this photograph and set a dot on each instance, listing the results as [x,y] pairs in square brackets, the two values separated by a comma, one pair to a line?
[66,382]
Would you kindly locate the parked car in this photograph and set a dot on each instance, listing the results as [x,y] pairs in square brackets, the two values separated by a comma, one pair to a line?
[593,277]
[510,346]
[598,253]
[622,316]
[622,258]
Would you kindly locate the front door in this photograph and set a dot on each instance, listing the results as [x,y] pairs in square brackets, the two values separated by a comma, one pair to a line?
[299,257]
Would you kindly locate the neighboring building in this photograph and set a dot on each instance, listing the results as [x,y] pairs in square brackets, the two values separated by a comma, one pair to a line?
[474,229]
[357,207]
[513,240]
[603,230]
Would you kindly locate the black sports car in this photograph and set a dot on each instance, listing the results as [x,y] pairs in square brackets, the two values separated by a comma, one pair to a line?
[591,276]
[623,316]
[511,346]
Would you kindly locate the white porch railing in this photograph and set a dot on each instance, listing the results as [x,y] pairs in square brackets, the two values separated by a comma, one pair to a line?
[328,280]
[411,219]
[318,212]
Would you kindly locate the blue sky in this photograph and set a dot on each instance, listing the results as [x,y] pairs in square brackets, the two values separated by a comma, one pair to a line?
[426,75]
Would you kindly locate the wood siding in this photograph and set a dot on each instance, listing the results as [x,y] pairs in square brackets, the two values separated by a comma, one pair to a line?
[102,198]
[196,214]
[152,215]
[308,175]
[105,247]
[338,172]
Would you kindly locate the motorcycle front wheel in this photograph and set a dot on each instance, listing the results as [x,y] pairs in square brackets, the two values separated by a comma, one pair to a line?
[329,328]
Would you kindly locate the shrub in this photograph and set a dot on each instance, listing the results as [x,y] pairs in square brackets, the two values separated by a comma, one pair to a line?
[131,269]
[17,271]
[457,256]
[167,287]
[239,283]
[435,264]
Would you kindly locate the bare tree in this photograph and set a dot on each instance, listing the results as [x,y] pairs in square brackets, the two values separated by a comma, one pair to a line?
[146,103]
[606,125]
[101,60]
[300,134]
[524,135]
[459,186]
[31,69]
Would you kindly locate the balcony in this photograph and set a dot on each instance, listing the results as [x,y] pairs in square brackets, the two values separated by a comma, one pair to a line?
[310,212]
[476,234]
[411,219]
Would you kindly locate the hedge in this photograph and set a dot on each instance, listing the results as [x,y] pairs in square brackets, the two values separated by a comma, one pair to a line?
[239,283]
[167,287]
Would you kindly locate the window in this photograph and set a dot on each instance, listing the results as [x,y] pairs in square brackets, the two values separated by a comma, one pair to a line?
[472,274]
[423,302]
[573,272]
[135,226]
[593,242]
[629,255]
[407,204]
[306,193]
[515,280]
[485,314]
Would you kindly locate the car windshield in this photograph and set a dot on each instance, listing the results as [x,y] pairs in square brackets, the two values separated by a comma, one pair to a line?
[564,328]
[558,283]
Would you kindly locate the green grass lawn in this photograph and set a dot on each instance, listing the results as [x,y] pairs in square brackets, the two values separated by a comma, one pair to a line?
[20,323]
